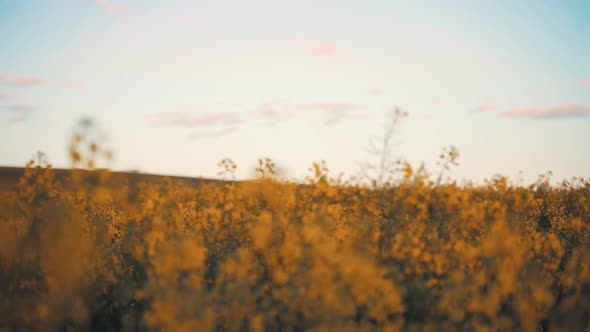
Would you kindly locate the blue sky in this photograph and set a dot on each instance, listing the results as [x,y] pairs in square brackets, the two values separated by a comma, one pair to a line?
[179,85]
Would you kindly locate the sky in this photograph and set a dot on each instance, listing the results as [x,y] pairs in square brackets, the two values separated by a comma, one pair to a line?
[179,85]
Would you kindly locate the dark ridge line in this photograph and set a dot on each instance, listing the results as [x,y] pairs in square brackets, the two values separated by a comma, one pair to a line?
[9,177]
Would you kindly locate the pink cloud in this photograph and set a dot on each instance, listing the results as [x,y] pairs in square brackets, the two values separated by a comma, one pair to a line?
[20,80]
[212,133]
[25,80]
[376,91]
[561,111]
[216,118]
[484,108]
[585,81]
[115,7]
[182,19]
[179,18]
[323,49]
[363,60]
[18,117]
[73,85]
[437,102]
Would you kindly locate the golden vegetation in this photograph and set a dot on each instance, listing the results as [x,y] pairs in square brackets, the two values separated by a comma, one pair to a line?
[413,254]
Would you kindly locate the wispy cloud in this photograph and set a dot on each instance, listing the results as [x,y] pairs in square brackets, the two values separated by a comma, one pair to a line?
[202,120]
[179,18]
[486,107]
[437,102]
[118,8]
[333,111]
[21,108]
[376,91]
[16,81]
[285,107]
[275,108]
[585,81]
[335,118]
[183,19]
[322,49]
[216,118]
[20,112]
[272,111]
[13,80]
[570,110]
[212,133]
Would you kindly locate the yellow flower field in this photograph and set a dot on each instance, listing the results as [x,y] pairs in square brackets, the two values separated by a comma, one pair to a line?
[331,254]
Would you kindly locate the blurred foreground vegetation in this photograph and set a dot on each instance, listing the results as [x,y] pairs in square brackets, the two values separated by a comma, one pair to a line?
[411,254]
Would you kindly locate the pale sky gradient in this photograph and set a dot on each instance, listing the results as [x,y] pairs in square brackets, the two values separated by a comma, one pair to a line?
[179,85]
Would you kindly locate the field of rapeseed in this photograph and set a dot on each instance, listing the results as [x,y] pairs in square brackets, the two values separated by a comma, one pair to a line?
[331,254]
